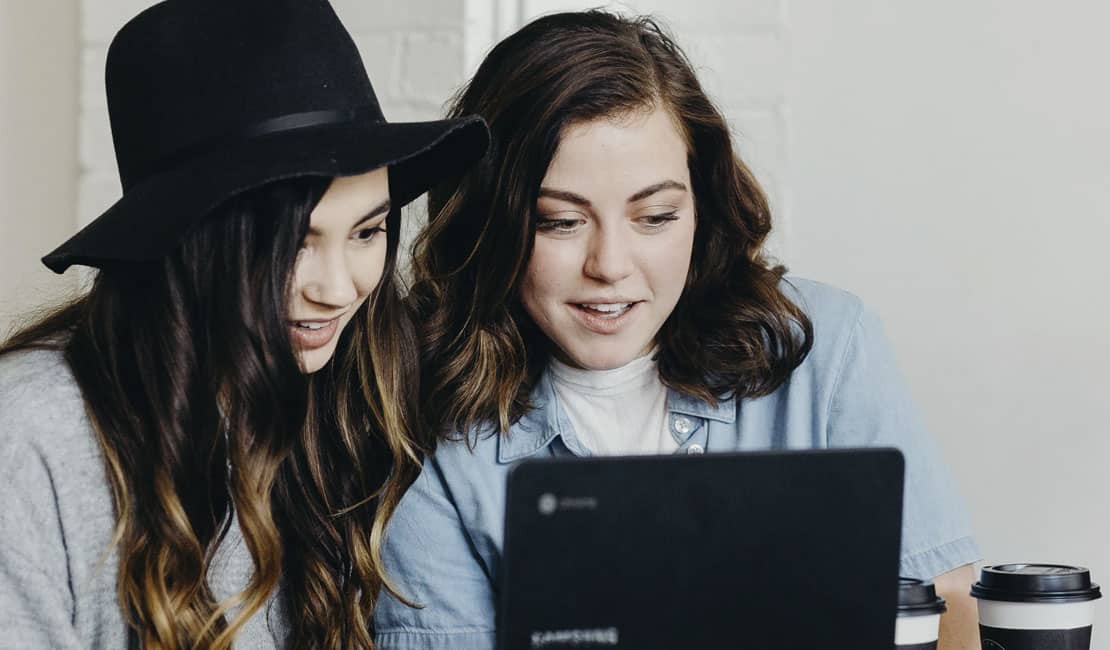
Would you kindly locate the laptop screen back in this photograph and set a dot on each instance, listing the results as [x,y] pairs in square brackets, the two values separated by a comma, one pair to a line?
[795,549]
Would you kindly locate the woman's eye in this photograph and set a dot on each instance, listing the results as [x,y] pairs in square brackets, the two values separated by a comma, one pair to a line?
[546,224]
[367,234]
[658,220]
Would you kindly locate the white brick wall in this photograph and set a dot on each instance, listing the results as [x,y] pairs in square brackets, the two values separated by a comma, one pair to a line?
[412,51]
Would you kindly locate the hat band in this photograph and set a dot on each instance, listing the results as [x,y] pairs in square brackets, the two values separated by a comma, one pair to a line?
[280,124]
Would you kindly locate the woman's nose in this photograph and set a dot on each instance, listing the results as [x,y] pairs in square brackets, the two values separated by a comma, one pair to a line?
[609,259]
[328,280]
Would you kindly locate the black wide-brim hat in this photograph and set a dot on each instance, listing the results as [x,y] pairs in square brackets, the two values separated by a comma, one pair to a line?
[211,98]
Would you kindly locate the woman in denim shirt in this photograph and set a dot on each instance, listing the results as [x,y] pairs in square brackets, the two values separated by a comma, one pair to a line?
[596,286]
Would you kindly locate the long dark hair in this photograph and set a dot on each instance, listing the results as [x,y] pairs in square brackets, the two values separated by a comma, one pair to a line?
[202,413]
[733,330]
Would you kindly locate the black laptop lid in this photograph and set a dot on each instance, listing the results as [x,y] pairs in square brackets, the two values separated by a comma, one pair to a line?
[796,549]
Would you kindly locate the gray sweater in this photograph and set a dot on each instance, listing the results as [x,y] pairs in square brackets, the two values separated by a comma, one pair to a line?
[57,572]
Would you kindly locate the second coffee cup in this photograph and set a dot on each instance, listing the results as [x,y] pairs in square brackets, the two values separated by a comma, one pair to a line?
[1035,607]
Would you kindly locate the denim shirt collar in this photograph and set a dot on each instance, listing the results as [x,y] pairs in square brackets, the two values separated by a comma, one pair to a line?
[548,421]
[724,411]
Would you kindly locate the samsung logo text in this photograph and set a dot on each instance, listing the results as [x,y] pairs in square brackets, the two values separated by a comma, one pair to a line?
[576,638]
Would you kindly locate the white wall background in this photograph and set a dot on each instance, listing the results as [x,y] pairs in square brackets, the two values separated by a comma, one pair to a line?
[948,161]
[38,141]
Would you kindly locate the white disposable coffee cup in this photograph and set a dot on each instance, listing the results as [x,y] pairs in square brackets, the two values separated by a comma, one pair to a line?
[919,610]
[1035,606]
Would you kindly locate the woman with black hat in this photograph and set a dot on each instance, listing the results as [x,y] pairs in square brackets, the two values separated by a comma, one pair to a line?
[183,451]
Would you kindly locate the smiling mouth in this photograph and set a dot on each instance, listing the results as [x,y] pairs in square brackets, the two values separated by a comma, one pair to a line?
[604,318]
[608,311]
[312,334]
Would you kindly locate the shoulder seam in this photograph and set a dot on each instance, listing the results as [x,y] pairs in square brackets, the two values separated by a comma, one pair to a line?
[843,362]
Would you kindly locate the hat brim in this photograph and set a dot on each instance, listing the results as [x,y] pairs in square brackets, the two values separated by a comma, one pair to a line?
[155,214]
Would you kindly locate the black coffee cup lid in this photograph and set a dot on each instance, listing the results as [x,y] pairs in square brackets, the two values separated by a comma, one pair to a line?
[918,598]
[1035,583]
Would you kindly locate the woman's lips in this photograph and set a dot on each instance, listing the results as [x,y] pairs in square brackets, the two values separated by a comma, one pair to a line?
[603,322]
[313,336]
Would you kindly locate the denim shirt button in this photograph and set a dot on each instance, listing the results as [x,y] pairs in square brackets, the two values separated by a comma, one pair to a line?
[683,425]
[695,449]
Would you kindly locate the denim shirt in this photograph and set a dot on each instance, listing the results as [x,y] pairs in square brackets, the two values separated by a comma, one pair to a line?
[443,546]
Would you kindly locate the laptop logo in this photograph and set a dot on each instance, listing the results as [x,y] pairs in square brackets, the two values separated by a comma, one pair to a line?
[548,504]
[607,636]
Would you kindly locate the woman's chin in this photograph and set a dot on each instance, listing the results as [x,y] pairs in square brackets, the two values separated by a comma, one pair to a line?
[311,361]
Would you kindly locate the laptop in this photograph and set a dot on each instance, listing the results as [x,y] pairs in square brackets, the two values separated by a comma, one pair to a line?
[760,550]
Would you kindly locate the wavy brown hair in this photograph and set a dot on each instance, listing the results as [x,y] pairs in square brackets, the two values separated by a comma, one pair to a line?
[202,413]
[733,330]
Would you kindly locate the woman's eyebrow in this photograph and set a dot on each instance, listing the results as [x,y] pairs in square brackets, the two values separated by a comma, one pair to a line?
[563,195]
[578,199]
[657,187]
[382,208]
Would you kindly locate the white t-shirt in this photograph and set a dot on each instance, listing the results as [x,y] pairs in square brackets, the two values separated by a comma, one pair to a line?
[618,411]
